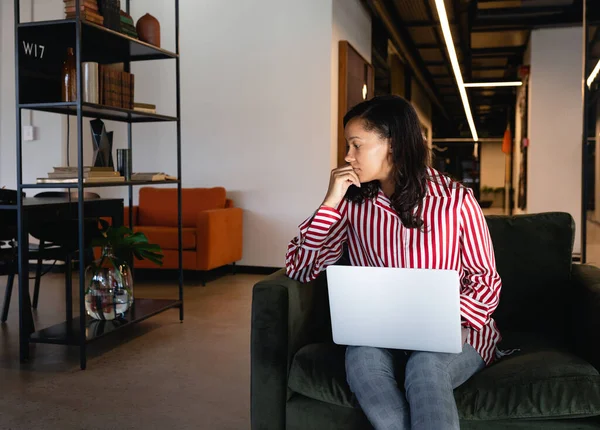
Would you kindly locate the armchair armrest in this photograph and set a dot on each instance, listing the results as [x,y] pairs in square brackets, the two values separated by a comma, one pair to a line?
[286,315]
[586,312]
[135,210]
[219,237]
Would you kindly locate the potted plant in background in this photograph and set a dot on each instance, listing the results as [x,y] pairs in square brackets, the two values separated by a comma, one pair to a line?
[109,292]
[486,197]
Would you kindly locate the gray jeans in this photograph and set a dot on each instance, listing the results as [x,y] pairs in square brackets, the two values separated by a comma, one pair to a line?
[427,401]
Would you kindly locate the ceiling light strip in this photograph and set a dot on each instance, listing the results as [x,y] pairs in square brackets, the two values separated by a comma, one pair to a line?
[493,84]
[593,75]
[441,10]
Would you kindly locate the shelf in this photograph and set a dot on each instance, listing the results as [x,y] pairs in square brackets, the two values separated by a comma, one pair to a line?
[115,47]
[92,110]
[41,49]
[97,184]
[142,309]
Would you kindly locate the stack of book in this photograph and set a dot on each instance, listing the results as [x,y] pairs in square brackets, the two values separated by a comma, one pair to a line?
[88,11]
[110,9]
[127,26]
[66,175]
[116,87]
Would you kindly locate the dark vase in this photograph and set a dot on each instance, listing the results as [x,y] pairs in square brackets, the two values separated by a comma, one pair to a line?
[148,29]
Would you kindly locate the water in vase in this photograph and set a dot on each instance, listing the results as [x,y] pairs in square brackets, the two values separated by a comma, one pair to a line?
[110,288]
[105,304]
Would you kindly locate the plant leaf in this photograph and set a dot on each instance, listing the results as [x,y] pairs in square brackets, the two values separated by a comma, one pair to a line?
[126,243]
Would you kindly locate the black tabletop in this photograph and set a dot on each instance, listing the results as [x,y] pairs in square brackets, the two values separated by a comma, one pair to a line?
[32,202]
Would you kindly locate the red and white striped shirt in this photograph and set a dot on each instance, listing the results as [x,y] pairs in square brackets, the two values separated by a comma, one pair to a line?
[455,237]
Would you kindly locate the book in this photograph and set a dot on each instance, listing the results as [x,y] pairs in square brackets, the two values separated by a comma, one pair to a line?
[144,110]
[110,10]
[74,180]
[84,168]
[128,30]
[144,105]
[72,9]
[84,10]
[90,4]
[87,16]
[152,176]
[67,175]
[126,20]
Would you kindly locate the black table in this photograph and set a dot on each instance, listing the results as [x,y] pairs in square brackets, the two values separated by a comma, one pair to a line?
[55,208]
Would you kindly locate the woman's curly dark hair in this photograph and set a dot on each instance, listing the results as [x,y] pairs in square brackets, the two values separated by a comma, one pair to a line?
[393,117]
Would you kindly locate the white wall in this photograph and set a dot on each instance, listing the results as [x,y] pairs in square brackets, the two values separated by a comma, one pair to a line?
[256,110]
[555,123]
[492,165]
[41,155]
[2,50]
[351,22]
[7,96]
[258,94]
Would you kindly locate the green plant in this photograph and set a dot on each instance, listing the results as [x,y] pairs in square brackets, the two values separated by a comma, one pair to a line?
[127,244]
[110,282]
[491,190]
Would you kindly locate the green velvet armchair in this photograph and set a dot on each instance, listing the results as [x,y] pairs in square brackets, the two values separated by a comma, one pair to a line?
[549,309]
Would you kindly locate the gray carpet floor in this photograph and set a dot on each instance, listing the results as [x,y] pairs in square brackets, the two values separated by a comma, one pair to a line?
[159,374]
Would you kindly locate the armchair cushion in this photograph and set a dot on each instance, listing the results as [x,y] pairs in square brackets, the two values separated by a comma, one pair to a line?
[539,382]
[534,384]
[318,371]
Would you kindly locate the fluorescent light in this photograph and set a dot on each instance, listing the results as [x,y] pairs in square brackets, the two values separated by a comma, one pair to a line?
[494,84]
[441,10]
[593,75]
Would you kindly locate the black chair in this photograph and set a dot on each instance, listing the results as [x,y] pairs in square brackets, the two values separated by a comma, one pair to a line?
[59,239]
[8,255]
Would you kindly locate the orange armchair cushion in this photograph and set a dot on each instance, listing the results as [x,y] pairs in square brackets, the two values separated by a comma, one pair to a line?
[158,206]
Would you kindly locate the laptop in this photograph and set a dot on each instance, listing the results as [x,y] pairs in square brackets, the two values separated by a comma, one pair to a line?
[410,309]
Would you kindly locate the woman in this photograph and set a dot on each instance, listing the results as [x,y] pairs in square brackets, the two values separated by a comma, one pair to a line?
[391,209]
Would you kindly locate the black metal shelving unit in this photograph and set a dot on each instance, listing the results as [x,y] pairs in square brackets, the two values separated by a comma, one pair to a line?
[38,89]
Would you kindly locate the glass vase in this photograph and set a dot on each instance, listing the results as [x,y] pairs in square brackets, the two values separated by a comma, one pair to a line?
[109,283]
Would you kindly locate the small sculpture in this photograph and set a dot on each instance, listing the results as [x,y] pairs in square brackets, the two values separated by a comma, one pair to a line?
[148,29]
[103,142]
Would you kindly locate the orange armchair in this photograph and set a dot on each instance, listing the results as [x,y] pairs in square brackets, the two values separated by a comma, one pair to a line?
[211,226]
